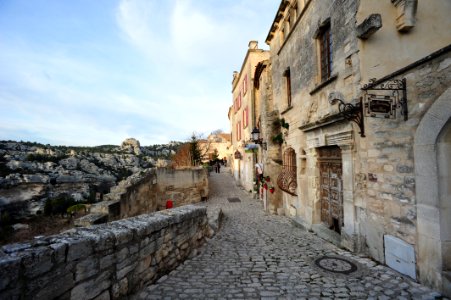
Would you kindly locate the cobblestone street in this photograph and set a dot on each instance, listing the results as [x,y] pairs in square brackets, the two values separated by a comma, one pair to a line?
[260,256]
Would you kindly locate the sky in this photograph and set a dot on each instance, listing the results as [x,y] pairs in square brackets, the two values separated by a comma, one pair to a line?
[85,73]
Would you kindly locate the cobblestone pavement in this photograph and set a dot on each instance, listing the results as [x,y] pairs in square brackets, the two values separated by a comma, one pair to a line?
[260,256]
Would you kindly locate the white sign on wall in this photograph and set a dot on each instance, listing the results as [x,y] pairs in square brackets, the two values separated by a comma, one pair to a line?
[400,255]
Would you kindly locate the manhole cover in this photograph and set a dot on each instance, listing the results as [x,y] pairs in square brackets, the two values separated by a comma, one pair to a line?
[336,264]
[234,199]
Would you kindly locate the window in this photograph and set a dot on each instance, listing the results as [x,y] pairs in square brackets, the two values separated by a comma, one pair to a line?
[287,76]
[237,103]
[238,131]
[245,117]
[245,85]
[287,180]
[325,52]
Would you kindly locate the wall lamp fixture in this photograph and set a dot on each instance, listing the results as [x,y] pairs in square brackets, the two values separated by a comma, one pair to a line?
[256,138]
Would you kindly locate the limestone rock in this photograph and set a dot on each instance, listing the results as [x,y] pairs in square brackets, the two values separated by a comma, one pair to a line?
[35,178]
[70,163]
[132,146]
[89,167]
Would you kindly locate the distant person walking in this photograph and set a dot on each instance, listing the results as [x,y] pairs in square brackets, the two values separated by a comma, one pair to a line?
[218,167]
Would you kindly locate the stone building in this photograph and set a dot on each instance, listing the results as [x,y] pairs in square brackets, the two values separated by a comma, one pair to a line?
[309,43]
[363,162]
[217,145]
[242,117]
[406,202]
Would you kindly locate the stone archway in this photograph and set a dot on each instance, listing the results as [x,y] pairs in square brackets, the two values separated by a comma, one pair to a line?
[444,180]
[431,132]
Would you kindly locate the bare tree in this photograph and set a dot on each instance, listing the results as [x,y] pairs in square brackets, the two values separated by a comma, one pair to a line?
[193,152]
[217,131]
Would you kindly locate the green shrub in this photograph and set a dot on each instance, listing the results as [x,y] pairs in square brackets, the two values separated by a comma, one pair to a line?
[278,139]
[58,205]
[5,226]
[76,208]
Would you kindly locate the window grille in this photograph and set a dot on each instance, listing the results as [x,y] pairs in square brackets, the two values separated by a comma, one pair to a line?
[287,178]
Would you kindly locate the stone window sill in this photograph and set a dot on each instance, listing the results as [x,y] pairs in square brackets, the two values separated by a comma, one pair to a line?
[324,83]
[287,110]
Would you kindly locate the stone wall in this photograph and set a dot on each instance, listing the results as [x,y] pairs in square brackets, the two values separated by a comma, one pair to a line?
[391,204]
[183,186]
[147,192]
[107,261]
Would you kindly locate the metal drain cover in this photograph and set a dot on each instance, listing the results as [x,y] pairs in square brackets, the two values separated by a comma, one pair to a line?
[336,264]
[234,199]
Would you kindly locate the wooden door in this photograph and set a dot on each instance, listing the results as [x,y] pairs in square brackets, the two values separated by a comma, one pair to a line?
[331,189]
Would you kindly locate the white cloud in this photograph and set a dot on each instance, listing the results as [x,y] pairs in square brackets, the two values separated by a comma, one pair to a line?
[142,22]
[163,71]
[194,34]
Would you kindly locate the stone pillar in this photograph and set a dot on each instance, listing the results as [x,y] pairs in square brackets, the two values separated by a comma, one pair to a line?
[349,229]
[313,205]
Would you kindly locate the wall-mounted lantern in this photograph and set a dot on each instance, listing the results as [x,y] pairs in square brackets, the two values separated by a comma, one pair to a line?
[237,155]
[256,137]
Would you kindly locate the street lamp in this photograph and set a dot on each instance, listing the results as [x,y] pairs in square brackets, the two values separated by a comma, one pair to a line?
[256,137]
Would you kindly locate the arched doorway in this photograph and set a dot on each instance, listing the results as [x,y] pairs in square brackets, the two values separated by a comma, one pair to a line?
[444,182]
[432,173]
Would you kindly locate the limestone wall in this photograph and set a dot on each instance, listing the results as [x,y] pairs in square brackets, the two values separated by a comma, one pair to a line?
[390,204]
[102,262]
[148,192]
[183,186]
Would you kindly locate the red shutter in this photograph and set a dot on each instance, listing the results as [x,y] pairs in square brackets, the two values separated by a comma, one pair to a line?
[239,130]
[247,116]
[245,85]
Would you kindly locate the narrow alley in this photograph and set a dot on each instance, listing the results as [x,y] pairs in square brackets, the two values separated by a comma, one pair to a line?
[260,256]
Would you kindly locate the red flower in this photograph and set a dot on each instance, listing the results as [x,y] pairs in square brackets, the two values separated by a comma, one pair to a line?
[272,189]
[265,186]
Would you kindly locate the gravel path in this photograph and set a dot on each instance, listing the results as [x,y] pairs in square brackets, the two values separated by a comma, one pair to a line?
[260,256]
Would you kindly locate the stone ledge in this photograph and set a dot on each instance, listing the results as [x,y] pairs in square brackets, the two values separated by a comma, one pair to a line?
[91,219]
[369,26]
[215,218]
[90,261]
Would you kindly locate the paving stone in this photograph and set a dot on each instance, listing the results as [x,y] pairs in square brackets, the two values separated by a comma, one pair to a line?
[256,255]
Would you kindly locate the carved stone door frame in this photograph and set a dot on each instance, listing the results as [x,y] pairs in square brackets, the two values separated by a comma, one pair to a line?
[331,187]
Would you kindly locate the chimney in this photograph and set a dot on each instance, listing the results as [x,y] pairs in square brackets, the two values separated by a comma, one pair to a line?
[253,45]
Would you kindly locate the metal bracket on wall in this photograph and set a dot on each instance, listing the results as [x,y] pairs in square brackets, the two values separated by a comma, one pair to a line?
[377,102]
[351,112]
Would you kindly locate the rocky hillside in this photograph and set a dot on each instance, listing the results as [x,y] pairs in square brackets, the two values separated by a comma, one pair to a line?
[31,173]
